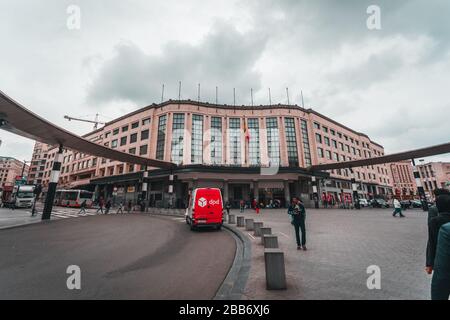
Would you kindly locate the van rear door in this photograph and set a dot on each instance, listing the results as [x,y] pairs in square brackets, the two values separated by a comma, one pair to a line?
[208,206]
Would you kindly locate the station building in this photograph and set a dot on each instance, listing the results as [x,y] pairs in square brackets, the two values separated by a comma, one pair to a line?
[259,152]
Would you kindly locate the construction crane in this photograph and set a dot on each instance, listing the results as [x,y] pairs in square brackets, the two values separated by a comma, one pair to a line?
[95,122]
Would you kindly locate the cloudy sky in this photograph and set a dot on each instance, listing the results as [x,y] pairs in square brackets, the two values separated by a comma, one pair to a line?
[391,83]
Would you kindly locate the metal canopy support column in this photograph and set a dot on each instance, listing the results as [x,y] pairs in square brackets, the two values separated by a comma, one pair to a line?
[355,190]
[420,189]
[315,192]
[54,177]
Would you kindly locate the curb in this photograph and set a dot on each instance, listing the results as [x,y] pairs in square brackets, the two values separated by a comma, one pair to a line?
[234,284]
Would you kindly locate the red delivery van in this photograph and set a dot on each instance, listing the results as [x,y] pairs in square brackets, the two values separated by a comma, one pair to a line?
[205,208]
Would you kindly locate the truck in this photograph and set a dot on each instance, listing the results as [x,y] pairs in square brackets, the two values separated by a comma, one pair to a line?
[21,197]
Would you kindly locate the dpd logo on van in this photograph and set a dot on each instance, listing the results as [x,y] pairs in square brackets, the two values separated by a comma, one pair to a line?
[202,202]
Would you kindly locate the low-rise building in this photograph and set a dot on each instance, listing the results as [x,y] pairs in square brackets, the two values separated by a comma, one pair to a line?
[403,182]
[10,169]
[434,175]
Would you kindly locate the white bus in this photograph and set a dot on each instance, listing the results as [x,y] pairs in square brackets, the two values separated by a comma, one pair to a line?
[74,198]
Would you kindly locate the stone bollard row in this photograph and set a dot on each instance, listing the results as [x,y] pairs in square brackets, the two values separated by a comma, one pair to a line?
[249,224]
[240,221]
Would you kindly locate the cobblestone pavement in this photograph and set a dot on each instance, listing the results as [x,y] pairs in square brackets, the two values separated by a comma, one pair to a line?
[341,245]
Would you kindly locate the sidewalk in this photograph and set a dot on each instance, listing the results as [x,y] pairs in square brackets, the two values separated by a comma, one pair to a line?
[17,217]
[341,245]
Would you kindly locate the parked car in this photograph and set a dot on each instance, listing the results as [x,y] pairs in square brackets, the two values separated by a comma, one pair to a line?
[416,204]
[406,204]
[379,203]
[363,203]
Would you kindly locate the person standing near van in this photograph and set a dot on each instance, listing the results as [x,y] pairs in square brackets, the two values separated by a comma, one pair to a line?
[241,206]
[298,217]
[228,207]
[397,208]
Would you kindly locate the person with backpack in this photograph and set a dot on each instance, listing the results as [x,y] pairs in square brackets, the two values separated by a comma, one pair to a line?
[108,206]
[120,209]
[297,212]
[83,207]
[100,205]
[241,206]
[228,207]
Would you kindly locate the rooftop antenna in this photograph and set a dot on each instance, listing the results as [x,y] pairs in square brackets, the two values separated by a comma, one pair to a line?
[217,95]
[287,94]
[251,95]
[162,93]
[198,97]
[179,94]
[270,98]
[234,97]
[303,104]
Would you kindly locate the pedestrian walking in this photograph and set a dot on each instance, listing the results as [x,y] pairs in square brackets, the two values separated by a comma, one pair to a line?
[257,207]
[107,206]
[129,206]
[83,207]
[228,207]
[100,205]
[397,209]
[120,209]
[241,206]
[298,217]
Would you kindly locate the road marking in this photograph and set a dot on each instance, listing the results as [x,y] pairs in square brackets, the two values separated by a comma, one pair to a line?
[251,236]
[283,234]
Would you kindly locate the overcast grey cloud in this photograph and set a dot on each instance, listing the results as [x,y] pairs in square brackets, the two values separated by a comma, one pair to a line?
[389,83]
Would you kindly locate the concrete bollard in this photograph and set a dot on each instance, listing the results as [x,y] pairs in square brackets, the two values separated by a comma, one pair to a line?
[275,271]
[231,219]
[264,231]
[257,226]
[240,221]
[249,224]
[270,241]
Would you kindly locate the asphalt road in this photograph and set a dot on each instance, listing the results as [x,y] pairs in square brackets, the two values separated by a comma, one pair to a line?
[132,256]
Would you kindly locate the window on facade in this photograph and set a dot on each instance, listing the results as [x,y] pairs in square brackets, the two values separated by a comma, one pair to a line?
[123,141]
[326,140]
[115,131]
[132,150]
[305,139]
[197,139]
[134,125]
[144,134]
[339,135]
[273,141]
[325,129]
[291,142]
[318,138]
[133,137]
[234,138]
[114,143]
[316,125]
[333,133]
[334,143]
[160,141]
[216,140]
[125,128]
[177,138]
[328,154]
[143,150]
[320,152]
[146,121]
[106,136]
[335,156]
[253,141]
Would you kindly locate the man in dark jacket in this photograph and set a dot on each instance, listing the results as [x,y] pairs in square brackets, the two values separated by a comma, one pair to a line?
[440,284]
[434,225]
[298,216]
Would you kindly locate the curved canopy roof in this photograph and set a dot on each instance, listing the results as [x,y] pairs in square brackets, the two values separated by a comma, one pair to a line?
[17,119]
[406,155]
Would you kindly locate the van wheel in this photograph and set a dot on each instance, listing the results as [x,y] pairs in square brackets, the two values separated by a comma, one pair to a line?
[187,220]
[219,227]
[193,228]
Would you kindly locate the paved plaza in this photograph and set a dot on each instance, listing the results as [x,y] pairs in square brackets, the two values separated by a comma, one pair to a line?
[341,245]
